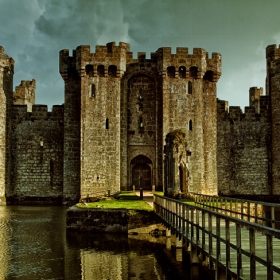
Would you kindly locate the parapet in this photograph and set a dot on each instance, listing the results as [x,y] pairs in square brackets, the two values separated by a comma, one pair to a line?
[111,54]
[198,59]
[235,112]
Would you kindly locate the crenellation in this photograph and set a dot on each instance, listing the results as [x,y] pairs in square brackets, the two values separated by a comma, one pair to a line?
[235,112]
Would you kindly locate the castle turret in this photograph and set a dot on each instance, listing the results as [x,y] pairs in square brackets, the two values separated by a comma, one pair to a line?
[6,98]
[273,90]
[189,105]
[92,119]
[255,98]
[25,94]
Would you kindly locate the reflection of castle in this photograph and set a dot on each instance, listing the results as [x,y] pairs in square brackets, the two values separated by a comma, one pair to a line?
[140,122]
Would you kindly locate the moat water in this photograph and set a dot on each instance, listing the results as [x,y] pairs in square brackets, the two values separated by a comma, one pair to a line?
[34,244]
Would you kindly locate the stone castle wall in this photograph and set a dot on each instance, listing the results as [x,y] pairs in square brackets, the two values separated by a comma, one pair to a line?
[37,155]
[244,151]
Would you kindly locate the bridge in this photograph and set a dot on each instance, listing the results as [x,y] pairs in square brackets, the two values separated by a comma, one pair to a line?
[237,239]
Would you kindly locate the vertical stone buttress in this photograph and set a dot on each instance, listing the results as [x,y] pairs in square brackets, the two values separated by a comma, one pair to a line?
[189,105]
[72,109]
[24,94]
[6,99]
[273,90]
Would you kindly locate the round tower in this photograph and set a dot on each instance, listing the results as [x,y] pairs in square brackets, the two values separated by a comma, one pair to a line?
[6,99]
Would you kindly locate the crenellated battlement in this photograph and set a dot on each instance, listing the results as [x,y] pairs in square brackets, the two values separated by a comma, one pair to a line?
[272,52]
[198,60]
[85,62]
[39,112]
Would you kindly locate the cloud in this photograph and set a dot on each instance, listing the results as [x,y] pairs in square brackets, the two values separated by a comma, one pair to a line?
[34,31]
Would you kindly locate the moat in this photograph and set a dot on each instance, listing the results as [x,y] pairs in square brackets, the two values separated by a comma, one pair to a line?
[34,244]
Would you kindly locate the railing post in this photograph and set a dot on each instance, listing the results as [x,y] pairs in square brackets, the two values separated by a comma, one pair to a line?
[256,213]
[269,252]
[248,211]
[239,253]
[242,210]
[228,264]
[252,254]
[272,217]
[210,239]
[218,248]
[197,226]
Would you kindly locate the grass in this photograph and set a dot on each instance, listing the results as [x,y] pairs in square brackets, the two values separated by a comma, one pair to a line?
[118,204]
[160,193]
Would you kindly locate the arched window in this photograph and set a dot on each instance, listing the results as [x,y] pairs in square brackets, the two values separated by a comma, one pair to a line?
[189,87]
[141,121]
[89,70]
[92,90]
[100,71]
[171,72]
[193,72]
[112,71]
[107,123]
[208,76]
[190,124]
[182,72]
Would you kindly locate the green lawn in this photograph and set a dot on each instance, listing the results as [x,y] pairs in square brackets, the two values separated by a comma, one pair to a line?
[115,204]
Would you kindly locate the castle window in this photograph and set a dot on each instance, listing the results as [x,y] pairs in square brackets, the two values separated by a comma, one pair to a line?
[182,72]
[141,121]
[190,124]
[112,71]
[140,94]
[100,71]
[208,76]
[189,87]
[107,123]
[171,72]
[89,70]
[193,72]
[92,90]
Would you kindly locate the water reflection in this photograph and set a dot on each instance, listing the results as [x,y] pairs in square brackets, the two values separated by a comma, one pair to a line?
[34,244]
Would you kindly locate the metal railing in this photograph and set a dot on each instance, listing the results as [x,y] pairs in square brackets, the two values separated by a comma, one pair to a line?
[249,210]
[241,249]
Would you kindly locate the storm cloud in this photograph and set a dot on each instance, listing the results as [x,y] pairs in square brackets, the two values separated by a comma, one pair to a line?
[34,31]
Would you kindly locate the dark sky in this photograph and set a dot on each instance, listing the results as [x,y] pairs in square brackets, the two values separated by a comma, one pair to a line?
[34,31]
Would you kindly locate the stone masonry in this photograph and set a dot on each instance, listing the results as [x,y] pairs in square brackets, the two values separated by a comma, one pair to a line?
[137,123]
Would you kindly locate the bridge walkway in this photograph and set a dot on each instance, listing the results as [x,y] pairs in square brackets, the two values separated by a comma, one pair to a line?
[232,242]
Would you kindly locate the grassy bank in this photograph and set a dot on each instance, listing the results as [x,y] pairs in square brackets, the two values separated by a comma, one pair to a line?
[125,200]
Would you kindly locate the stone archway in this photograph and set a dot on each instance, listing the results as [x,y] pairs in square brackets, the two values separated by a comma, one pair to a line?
[141,171]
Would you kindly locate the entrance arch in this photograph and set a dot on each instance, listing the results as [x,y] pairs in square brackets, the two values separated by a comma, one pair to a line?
[141,169]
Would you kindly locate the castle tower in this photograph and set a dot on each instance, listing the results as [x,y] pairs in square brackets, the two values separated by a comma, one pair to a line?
[255,97]
[6,99]
[273,90]
[92,119]
[25,94]
[189,119]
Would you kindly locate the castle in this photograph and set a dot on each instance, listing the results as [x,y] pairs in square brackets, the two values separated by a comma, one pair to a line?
[140,122]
